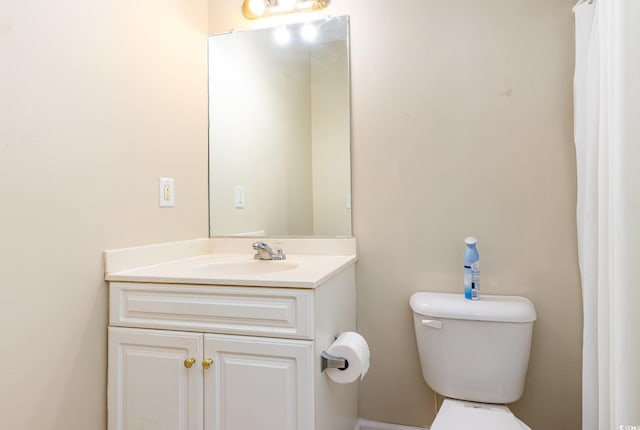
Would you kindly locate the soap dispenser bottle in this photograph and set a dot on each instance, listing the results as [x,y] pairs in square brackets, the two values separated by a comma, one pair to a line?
[471,270]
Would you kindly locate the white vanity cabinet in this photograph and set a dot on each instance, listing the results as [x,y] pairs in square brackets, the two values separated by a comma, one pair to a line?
[213,357]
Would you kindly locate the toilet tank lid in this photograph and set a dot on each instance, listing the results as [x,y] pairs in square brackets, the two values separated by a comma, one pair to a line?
[488,308]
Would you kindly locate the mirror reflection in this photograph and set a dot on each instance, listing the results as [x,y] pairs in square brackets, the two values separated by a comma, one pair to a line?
[279,137]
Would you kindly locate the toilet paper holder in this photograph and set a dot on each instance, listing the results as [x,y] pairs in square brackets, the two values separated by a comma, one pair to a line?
[329,361]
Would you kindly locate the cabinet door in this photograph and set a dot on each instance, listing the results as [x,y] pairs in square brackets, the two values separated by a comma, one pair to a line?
[258,383]
[150,386]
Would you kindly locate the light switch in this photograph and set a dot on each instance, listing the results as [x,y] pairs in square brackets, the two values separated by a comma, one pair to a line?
[239,197]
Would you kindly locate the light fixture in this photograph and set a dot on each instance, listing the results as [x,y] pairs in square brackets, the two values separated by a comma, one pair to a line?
[253,9]
[287,4]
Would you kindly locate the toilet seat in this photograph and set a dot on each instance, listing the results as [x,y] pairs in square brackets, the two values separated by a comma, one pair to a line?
[459,415]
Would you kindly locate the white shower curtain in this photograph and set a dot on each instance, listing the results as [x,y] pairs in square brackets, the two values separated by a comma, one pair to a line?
[607,138]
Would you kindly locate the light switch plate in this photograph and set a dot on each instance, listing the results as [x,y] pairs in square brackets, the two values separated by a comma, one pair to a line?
[238,197]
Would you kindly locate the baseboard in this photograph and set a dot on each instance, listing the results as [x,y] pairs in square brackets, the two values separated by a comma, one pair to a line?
[374,425]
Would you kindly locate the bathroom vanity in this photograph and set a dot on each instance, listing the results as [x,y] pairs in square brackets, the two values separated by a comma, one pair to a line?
[204,337]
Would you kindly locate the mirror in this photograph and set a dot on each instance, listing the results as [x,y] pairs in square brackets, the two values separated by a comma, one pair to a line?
[279,131]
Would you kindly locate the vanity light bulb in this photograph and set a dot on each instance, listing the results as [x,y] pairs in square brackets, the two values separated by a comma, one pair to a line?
[282,35]
[257,7]
[309,32]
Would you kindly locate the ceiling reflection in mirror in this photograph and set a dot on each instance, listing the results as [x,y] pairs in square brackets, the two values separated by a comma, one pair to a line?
[279,137]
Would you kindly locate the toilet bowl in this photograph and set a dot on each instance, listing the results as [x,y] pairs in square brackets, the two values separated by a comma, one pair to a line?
[476,354]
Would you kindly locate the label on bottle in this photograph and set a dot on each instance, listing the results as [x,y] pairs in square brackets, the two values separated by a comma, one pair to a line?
[475,280]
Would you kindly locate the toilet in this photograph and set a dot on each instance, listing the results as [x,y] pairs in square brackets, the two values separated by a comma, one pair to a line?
[475,353]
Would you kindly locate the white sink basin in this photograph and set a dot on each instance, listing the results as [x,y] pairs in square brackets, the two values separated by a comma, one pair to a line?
[250,267]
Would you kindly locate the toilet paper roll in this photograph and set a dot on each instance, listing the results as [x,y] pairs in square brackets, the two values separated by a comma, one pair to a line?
[354,348]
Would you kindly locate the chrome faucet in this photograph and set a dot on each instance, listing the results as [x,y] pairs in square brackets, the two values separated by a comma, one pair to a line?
[264,252]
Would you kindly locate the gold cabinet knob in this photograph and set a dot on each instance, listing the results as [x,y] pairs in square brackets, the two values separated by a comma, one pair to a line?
[189,362]
[207,363]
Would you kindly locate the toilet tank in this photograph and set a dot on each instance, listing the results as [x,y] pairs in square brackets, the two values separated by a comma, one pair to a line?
[476,350]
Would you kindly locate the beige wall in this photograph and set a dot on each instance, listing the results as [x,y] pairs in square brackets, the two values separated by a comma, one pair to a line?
[461,124]
[97,99]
